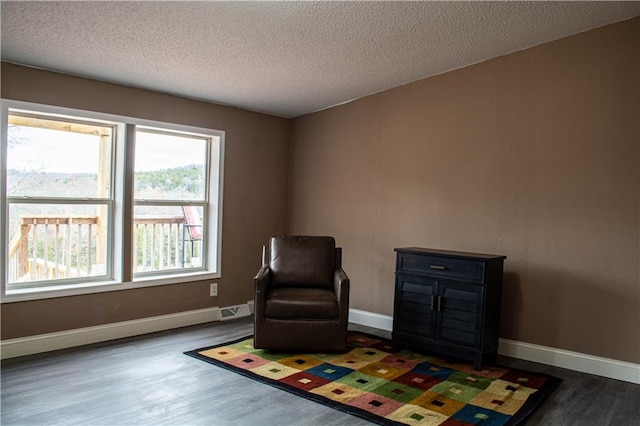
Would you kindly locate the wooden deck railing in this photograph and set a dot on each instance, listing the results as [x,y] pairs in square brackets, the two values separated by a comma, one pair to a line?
[49,247]
[158,242]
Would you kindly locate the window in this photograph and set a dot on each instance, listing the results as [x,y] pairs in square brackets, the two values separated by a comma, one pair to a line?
[171,200]
[60,209]
[65,198]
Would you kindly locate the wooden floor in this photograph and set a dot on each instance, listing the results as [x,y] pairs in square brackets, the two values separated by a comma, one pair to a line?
[147,380]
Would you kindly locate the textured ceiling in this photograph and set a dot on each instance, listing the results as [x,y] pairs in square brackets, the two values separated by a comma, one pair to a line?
[282,58]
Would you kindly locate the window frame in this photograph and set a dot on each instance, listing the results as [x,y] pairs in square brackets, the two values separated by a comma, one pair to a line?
[210,192]
[122,275]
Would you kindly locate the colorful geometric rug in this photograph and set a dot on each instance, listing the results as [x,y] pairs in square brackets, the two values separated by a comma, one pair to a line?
[391,388]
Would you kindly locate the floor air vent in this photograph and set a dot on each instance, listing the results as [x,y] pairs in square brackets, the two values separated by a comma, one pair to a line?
[238,311]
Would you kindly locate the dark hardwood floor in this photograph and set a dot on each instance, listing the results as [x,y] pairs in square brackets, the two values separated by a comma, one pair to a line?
[147,380]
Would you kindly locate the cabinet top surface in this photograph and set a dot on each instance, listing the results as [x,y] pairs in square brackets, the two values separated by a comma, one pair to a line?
[449,253]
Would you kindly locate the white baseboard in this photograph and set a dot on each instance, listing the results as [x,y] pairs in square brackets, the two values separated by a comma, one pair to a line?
[585,363]
[605,367]
[371,319]
[12,348]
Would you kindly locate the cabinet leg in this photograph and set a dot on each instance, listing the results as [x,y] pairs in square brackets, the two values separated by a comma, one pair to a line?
[477,362]
[394,345]
[484,358]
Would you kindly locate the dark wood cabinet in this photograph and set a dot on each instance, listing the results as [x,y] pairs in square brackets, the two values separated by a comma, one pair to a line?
[448,302]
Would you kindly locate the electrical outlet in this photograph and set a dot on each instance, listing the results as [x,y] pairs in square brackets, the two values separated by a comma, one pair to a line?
[213,289]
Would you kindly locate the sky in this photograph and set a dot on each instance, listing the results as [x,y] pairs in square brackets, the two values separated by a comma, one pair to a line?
[46,150]
[33,149]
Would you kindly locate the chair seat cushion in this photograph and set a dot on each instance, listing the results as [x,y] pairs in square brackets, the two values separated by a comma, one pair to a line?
[301,303]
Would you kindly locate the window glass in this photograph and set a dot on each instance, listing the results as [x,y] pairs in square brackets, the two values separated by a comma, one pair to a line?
[167,237]
[53,158]
[55,242]
[170,166]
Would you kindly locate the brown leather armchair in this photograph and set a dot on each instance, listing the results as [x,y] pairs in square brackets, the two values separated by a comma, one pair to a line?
[301,296]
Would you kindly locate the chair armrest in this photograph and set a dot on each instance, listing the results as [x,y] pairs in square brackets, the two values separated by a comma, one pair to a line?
[341,285]
[261,280]
[263,273]
[261,285]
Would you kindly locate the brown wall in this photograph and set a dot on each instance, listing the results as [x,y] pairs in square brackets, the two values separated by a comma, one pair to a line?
[534,155]
[255,192]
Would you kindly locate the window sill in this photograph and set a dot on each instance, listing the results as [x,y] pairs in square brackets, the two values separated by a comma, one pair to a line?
[23,295]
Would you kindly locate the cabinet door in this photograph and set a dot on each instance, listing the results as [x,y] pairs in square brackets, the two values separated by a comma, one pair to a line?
[459,313]
[413,301]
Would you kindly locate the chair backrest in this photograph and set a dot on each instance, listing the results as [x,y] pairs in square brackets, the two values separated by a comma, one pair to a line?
[302,261]
[193,222]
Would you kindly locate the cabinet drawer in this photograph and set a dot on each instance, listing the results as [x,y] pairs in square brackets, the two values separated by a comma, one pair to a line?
[435,266]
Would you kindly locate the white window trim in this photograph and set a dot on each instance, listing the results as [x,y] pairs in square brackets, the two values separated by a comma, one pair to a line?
[216,185]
